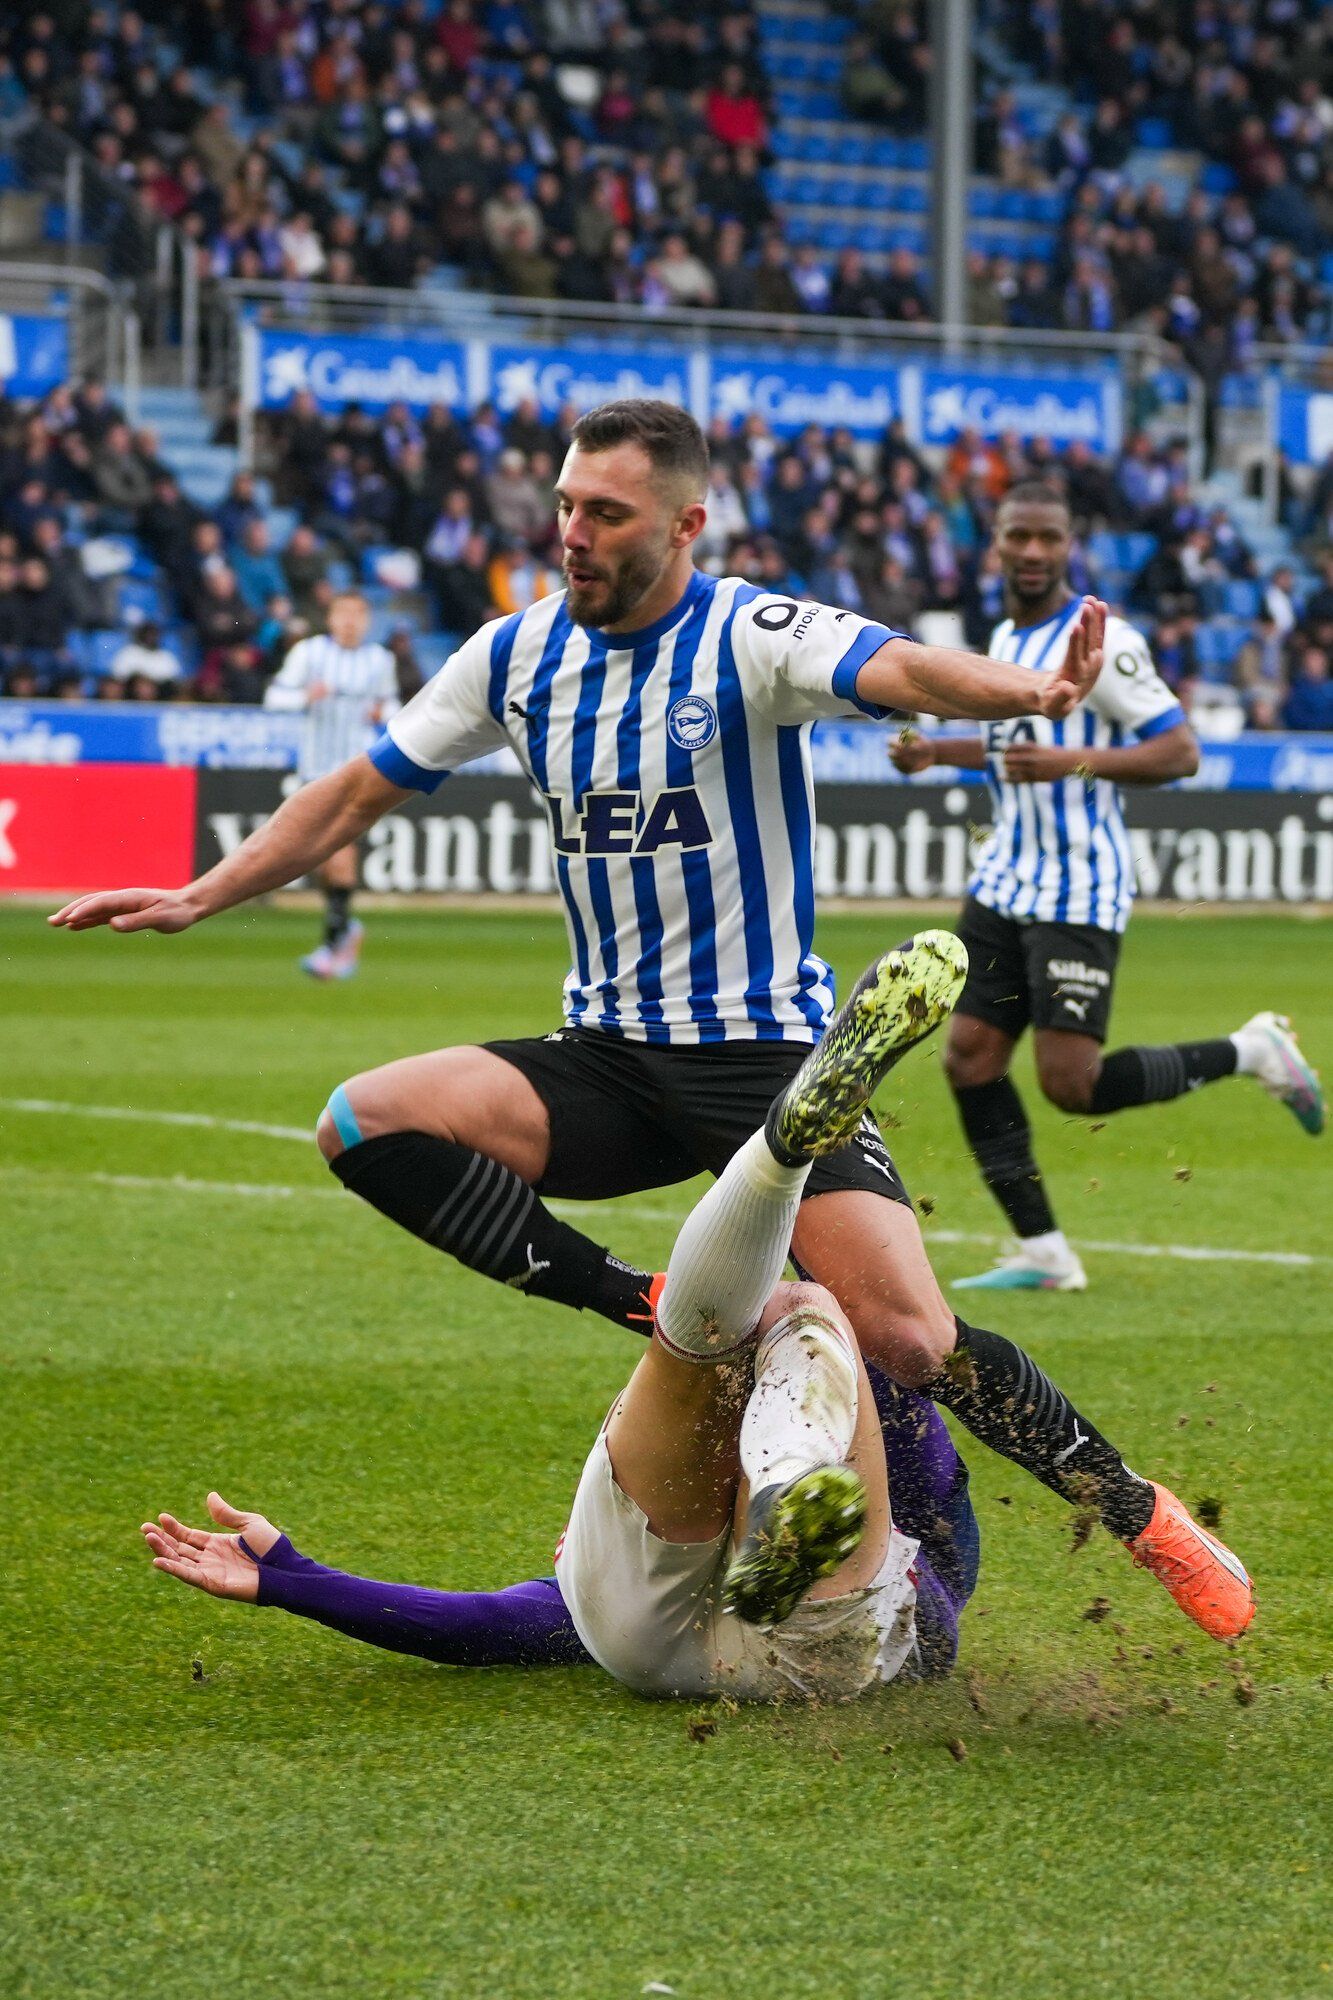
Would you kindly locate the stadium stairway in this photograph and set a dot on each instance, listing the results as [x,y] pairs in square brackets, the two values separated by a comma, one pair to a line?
[184,429]
[843,183]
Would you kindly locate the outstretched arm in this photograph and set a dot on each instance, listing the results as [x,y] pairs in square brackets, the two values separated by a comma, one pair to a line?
[526,1625]
[305,830]
[938,680]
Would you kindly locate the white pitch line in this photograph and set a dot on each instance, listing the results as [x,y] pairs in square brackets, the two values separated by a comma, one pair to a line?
[130,1114]
[1194,1253]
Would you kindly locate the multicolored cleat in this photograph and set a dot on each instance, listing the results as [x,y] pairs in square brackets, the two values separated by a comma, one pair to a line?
[895,1004]
[336,961]
[319,962]
[795,1534]
[1283,1071]
[1208,1582]
[1022,1272]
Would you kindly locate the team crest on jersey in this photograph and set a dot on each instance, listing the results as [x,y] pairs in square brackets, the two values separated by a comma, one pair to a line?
[691,722]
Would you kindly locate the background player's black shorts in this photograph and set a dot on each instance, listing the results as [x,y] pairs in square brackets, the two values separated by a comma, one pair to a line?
[1021,973]
[632,1115]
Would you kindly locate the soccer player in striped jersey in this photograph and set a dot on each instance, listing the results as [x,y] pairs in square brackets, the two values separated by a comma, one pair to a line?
[344,687]
[663,715]
[1051,894]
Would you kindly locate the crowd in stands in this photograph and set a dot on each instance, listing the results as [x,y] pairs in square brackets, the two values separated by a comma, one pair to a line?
[614,151]
[84,501]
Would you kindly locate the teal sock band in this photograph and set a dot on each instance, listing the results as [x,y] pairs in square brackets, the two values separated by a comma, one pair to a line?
[344,1118]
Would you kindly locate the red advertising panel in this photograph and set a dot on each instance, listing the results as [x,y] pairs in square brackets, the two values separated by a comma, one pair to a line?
[95,826]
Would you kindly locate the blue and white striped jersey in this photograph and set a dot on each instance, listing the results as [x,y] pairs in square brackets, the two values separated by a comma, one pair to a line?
[362,684]
[674,764]
[1059,852]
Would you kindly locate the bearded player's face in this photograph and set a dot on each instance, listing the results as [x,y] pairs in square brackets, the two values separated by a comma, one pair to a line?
[618,531]
[1032,539]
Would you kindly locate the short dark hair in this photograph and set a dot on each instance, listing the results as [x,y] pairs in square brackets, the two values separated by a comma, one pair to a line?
[1038,493]
[667,434]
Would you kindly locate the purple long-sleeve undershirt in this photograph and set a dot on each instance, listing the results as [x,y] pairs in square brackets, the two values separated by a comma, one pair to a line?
[527,1625]
[524,1626]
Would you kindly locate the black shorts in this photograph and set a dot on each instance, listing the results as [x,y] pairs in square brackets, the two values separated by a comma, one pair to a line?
[632,1115]
[1021,973]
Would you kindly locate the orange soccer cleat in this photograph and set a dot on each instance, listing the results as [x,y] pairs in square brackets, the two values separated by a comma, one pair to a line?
[1208,1582]
[646,1320]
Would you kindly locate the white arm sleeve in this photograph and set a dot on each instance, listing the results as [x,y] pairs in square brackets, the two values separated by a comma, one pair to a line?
[798,660]
[1129,690]
[287,689]
[444,725]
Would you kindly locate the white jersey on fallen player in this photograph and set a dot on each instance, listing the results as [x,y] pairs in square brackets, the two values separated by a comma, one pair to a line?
[674,764]
[1059,852]
[363,691]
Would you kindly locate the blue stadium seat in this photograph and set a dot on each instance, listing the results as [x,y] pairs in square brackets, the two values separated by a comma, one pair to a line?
[140,597]
[1242,598]
[914,154]
[1217,178]
[1154,133]
[982,202]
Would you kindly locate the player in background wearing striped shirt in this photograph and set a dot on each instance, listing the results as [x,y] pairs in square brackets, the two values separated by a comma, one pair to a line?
[664,716]
[1050,897]
[345,688]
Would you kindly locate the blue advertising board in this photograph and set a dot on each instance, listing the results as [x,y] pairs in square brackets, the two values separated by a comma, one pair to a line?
[1304,424]
[101,732]
[374,370]
[1062,408]
[789,394]
[848,753]
[584,376]
[34,353]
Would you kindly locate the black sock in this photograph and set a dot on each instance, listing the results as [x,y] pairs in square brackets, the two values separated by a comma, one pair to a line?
[1011,1405]
[478,1211]
[1152,1076]
[337,914]
[1001,1140]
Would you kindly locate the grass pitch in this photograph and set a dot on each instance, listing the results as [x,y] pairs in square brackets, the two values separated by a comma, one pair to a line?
[199,1799]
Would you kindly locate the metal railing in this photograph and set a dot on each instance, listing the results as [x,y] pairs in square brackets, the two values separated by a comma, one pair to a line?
[1142,361]
[103,225]
[103,327]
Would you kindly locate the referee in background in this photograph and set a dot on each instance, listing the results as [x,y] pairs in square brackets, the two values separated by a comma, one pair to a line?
[346,689]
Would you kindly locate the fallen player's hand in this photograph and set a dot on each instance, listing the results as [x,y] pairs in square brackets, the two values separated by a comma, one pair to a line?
[128,910]
[213,1562]
[1077,674]
[911,752]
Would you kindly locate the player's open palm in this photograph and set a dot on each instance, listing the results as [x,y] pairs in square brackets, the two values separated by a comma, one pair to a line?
[1076,676]
[128,910]
[211,1561]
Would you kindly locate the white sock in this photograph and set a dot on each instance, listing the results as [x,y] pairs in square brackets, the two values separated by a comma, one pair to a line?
[729,1255]
[1051,1248]
[1249,1051]
[802,1412]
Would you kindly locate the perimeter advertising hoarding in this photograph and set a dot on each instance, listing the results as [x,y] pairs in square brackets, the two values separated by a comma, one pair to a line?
[109,826]
[211,735]
[478,836]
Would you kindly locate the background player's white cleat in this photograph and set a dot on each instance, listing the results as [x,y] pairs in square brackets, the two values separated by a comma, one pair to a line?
[1269,1051]
[345,956]
[319,962]
[1030,1268]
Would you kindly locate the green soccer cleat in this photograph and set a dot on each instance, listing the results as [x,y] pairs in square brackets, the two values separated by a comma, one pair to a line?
[895,1004]
[795,1534]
